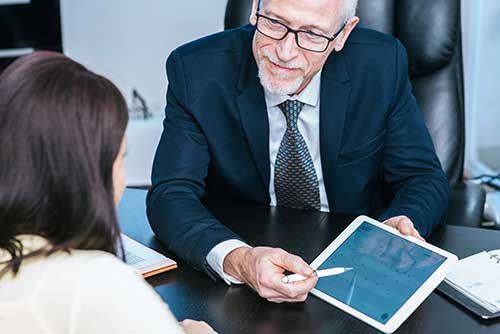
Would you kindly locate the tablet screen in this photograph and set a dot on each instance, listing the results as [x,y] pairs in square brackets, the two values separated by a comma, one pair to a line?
[387,271]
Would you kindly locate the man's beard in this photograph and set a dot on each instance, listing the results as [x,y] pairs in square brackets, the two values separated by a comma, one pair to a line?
[268,80]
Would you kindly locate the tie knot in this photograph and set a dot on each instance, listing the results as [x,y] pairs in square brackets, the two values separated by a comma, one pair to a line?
[291,110]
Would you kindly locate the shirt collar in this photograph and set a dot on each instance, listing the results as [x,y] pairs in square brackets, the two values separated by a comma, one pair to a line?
[30,244]
[310,94]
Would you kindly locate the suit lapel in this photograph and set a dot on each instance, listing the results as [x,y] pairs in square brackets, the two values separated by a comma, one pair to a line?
[253,113]
[335,93]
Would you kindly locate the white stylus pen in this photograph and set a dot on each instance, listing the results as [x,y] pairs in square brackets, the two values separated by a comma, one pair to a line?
[319,273]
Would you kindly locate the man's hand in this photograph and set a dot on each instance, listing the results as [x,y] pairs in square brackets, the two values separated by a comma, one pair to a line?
[262,269]
[196,327]
[404,225]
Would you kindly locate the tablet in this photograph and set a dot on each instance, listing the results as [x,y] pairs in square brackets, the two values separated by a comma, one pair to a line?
[392,274]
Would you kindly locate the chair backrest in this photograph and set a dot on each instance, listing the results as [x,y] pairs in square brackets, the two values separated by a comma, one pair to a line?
[431,32]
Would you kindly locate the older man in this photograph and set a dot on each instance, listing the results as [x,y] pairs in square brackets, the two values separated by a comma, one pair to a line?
[299,109]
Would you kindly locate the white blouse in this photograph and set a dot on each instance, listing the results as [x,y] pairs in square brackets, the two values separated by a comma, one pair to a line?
[84,292]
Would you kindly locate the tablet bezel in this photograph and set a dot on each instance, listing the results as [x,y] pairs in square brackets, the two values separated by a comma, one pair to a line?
[412,303]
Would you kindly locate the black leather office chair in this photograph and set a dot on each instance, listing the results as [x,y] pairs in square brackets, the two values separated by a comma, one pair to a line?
[431,32]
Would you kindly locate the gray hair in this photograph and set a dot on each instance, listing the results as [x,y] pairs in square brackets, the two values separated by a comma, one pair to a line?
[348,9]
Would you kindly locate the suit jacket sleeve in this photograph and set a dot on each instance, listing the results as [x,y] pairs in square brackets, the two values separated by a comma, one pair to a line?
[180,167]
[411,167]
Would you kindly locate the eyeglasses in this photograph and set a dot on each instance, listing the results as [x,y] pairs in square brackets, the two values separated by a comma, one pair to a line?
[306,40]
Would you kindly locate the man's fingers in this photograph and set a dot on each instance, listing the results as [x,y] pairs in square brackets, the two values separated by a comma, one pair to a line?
[418,236]
[292,290]
[392,222]
[295,289]
[407,228]
[272,279]
[300,298]
[268,272]
[404,225]
[293,263]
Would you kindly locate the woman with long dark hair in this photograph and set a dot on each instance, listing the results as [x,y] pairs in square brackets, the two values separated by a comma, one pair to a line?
[61,175]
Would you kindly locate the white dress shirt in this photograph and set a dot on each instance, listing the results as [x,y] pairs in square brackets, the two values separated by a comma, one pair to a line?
[308,124]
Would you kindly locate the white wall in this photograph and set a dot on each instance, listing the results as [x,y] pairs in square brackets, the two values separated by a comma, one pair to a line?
[481,45]
[128,42]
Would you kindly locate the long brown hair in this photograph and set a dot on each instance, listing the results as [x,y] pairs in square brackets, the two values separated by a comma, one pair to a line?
[61,127]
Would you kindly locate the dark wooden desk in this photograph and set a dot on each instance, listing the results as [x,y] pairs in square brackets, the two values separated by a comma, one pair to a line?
[237,309]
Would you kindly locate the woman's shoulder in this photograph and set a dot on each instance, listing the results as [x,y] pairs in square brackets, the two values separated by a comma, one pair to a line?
[61,268]
[109,286]
[61,263]
[91,259]
[76,263]
[92,270]
[66,274]
[83,285]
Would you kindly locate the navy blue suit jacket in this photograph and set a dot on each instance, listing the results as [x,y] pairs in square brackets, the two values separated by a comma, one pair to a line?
[376,153]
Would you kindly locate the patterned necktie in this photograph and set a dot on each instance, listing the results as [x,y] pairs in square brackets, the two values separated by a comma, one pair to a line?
[295,180]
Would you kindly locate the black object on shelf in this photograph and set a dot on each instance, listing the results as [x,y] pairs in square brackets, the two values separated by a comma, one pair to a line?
[34,25]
